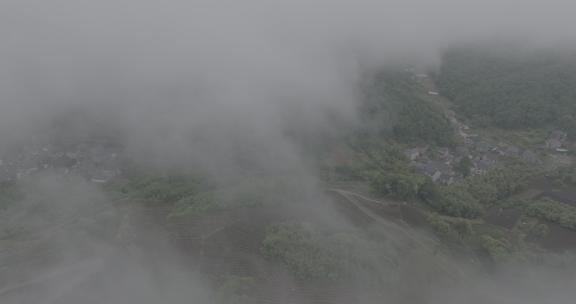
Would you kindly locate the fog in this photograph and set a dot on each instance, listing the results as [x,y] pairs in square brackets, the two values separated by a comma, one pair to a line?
[225,87]
[231,67]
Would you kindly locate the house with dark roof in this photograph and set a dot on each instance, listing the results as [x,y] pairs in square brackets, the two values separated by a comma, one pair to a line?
[482,164]
[438,171]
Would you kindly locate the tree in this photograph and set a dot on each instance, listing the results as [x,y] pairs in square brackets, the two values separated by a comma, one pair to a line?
[394,108]
[456,201]
[556,212]
[429,191]
[464,166]
[404,186]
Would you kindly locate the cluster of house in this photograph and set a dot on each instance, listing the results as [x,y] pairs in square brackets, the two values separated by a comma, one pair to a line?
[96,160]
[484,155]
[439,168]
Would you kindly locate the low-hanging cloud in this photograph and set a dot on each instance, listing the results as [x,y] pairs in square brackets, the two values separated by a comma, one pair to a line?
[201,82]
[227,72]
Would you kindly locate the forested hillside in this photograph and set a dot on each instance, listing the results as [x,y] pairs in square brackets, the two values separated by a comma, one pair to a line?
[394,107]
[509,87]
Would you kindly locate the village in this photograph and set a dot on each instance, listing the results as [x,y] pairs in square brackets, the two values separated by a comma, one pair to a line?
[474,153]
[97,160]
[478,154]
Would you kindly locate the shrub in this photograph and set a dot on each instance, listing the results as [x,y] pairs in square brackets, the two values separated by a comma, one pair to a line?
[165,189]
[556,212]
[499,250]
[451,229]
[399,185]
[456,201]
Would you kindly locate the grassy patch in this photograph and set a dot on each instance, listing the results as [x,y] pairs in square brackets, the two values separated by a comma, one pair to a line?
[525,138]
[160,188]
[313,254]
[248,193]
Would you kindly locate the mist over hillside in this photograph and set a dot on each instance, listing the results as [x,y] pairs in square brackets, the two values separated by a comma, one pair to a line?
[287,151]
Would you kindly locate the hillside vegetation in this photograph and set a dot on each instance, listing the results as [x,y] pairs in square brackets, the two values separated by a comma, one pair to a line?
[508,87]
[395,108]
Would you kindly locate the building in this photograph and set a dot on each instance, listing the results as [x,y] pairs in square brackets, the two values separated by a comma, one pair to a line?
[438,171]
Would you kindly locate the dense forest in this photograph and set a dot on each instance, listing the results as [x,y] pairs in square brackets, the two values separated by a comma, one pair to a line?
[509,87]
[393,107]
